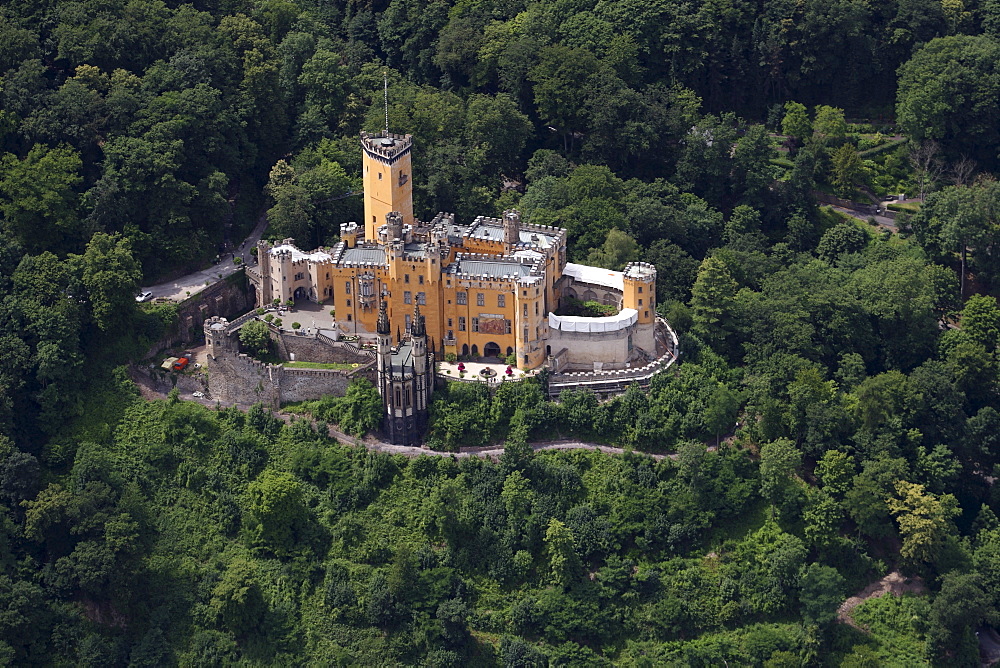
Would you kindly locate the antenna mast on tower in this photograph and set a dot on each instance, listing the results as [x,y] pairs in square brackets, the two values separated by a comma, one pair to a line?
[385,95]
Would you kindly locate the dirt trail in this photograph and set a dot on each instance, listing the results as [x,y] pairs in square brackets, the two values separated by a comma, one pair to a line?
[894,583]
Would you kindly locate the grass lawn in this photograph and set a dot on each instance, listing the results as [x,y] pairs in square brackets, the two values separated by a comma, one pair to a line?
[317,365]
[908,207]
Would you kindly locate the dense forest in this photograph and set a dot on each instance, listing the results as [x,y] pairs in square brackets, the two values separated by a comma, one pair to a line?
[834,417]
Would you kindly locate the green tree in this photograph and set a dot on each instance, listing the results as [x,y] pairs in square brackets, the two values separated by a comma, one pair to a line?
[823,590]
[796,123]
[563,559]
[712,300]
[40,202]
[255,337]
[276,511]
[561,87]
[830,124]
[618,250]
[360,410]
[848,171]
[924,520]
[237,599]
[835,471]
[841,239]
[111,276]
[778,462]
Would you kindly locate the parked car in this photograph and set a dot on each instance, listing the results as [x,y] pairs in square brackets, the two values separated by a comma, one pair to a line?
[198,394]
[144,296]
[181,364]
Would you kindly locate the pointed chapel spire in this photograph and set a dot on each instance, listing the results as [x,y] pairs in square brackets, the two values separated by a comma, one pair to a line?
[383,320]
[417,328]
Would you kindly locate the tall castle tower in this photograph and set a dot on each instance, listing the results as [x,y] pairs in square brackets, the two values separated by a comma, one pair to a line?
[511,230]
[388,179]
[639,292]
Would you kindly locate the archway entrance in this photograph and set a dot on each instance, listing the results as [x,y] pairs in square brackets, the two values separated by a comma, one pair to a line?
[475,350]
[491,350]
[300,293]
[465,350]
[510,351]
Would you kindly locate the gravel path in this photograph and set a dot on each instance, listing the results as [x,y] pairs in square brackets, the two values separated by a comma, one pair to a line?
[149,391]
[894,582]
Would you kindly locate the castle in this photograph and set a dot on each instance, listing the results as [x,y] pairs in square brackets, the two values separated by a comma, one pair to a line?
[488,289]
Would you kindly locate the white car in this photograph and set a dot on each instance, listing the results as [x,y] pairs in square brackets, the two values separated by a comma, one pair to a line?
[198,395]
[144,296]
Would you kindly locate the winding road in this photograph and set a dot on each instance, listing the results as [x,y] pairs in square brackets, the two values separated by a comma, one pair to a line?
[179,289]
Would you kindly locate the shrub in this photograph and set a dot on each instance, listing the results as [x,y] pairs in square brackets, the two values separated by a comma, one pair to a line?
[269,317]
[260,311]
[296,325]
[450,358]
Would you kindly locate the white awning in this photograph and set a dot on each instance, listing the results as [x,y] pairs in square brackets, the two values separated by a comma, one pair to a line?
[611,323]
[595,275]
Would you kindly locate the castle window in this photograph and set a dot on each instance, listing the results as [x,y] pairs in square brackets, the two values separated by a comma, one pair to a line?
[461,323]
[299,276]
[403,178]
[380,176]
[409,321]
[525,333]
[646,314]
[462,297]
[422,298]
[475,324]
[348,302]
[348,317]
[525,310]
[451,334]
[640,302]
[506,326]
[399,399]
[536,308]
[480,299]
[420,279]
[449,322]
[640,289]
[328,274]
[406,278]
[407,297]
[373,219]
[347,287]
[501,301]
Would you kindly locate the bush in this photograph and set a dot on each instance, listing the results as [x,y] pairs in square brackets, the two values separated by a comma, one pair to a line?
[260,311]
[269,317]
[511,359]
[450,358]
[290,303]
[296,325]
